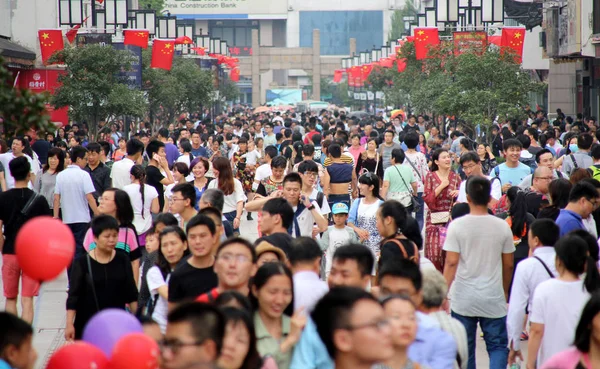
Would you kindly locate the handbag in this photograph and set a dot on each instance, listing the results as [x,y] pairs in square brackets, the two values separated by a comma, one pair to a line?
[441,217]
[414,206]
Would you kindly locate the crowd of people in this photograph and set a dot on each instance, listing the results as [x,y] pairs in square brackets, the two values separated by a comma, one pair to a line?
[382,242]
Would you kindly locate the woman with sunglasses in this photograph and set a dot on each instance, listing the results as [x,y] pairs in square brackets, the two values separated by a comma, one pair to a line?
[363,212]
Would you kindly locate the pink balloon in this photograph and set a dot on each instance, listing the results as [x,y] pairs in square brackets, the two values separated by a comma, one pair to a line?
[44,247]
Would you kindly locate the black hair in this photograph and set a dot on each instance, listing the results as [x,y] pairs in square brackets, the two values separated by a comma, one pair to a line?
[585,328]
[181,168]
[511,142]
[201,220]
[518,210]
[292,177]
[163,132]
[187,190]
[271,151]
[395,210]
[124,208]
[559,190]
[279,162]
[207,322]
[573,253]
[334,310]
[167,219]
[583,189]
[138,172]
[235,316]
[596,151]
[398,156]
[308,166]
[590,240]
[262,276]
[134,146]
[584,141]
[60,155]
[214,213]
[304,250]
[469,156]
[102,223]
[226,297]
[15,332]
[153,147]
[162,262]
[478,189]
[525,141]
[106,146]
[546,230]
[94,147]
[238,241]
[371,179]
[280,206]
[401,268]
[19,168]
[359,253]
[539,154]
[78,152]
[308,150]
[411,140]
[334,150]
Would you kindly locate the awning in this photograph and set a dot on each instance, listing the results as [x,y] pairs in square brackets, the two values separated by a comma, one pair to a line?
[16,54]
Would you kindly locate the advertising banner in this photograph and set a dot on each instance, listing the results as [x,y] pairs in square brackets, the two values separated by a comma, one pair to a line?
[469,42]
[177,7]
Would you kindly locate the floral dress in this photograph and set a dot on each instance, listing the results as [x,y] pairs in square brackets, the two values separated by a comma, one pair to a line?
[436,233]
[242,172]
[364,216]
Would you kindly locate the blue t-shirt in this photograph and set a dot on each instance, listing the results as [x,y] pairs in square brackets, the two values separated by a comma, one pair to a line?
[4,365]
[513,176]
[201,151]
[568,221]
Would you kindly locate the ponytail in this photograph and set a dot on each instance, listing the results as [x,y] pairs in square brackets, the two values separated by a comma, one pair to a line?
[574,253]
[138,172]
[592,277]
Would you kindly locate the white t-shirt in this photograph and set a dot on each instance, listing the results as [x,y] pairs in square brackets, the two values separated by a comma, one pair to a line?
[5,159]
[120,173]
[142,217]
[305,220]
[495,191]
[185,158]
[481,240]
[232,199]
[419,162]
[155,280]
[337,238]
[73,185]
[558,305]
[262,172]
[325,209]
[252,157]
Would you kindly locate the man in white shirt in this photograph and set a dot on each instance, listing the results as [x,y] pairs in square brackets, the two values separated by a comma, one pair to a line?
[481,275]
[18,145]
[305,257]
[543,234]
[471,166]
[73,192]
[120,170]
[543,158]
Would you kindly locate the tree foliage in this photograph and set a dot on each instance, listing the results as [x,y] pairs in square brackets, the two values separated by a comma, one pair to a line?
[473,87]
[21,109]
[397,30]
[228,90]
[157,5]
[93,88]
[185,87]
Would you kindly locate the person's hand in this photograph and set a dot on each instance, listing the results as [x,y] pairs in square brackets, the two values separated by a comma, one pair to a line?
[315,232]
[513,355]
[488,149]
[306,201]
[453,193]
[362,234]
[297,323]
[354,193]
[70,332]
[236,223]
[445,183]
[506,186]
[276,194]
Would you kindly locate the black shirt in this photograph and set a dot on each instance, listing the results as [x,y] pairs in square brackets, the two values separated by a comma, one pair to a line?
[153,178]
[41,148]
[100,178]
[188,282]
[281,240]
[12,203]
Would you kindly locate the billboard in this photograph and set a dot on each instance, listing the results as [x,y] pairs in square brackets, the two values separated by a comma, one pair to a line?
[284,97]
[198,7]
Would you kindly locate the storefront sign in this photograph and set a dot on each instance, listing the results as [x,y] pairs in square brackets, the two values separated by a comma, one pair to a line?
[45,80]
[469,42]
[132,77]
[177,7]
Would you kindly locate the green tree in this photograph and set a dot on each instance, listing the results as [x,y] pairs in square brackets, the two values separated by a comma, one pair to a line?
[398,29]
[21,109]
[229,90]
[93,88]
[157,5]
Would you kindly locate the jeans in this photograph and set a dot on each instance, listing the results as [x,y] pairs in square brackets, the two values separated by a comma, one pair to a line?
[78,230]
[419,214]
[230,217]
[494,334]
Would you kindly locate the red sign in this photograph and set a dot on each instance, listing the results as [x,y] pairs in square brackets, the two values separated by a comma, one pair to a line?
[469,42]
[40,80]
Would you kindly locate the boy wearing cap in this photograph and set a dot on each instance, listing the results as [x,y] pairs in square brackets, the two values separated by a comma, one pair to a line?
[336,235]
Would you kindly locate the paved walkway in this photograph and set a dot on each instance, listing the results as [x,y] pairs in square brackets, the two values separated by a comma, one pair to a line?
[49,320]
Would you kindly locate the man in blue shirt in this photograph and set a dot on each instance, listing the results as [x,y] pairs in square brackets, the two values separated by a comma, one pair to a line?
[583,200]
[197,148]
[170,149]
[511,172]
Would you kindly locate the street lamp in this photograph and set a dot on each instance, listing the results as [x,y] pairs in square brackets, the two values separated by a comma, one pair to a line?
[116,12]
[70,12]
[167,26]
[469,14]
[146,19]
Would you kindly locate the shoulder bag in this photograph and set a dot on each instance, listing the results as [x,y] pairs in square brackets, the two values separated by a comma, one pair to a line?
[413,206]
[89,266]
[441,217]
[415,168]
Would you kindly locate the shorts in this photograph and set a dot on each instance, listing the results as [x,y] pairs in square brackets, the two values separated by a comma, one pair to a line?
[11,273]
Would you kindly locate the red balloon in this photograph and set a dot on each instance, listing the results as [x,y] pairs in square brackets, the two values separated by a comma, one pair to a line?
[78,355]
[135,351]
[44,247]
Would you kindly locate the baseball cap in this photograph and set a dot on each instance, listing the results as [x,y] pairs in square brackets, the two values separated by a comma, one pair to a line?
[339,208]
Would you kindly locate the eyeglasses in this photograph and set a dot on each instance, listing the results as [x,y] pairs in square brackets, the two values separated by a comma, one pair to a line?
[174,346]
[172,199]
[594,203]
[231,257]
[469,167]
[545,178]
[310,174]
[379,325]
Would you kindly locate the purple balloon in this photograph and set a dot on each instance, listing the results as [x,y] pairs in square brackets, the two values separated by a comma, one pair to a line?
[108,326]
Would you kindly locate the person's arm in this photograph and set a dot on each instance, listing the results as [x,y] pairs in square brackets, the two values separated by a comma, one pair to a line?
[321,222]
[519,297]
[239,209]
[384,189]
[536,333]
[169,178]
[77,282]
[354,185]
[507,269]
[414,187]
[56,206]
[91,201]
[155,207]
[450,267]
[257,204]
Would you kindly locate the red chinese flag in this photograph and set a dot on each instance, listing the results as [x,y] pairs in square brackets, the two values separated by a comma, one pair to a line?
[183,40]
[51,41]
[495,40]
[386,62]
[234,75]
[512,38]
[72,33]
[350,77]
[401,64]
[162,54]
[231,62]
[199,50]
[337,76]
[366,71]
[136,37]
[424,37]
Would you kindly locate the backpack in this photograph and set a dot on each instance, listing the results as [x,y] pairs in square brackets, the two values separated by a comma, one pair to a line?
[530,162]
[595,171]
